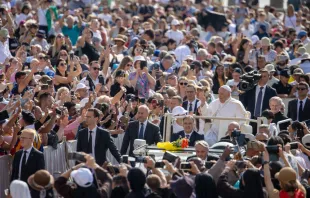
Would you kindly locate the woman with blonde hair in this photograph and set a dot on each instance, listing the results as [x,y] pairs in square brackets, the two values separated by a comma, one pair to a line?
[290,17]
[62,95]
[125,64]
[183,82]
[58,46]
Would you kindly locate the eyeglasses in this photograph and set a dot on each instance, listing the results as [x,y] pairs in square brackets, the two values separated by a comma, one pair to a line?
[63,64]
[301,89]
[96,68]
[183,83]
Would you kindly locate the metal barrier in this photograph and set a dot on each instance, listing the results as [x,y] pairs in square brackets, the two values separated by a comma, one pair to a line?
[169,118]
[5,173]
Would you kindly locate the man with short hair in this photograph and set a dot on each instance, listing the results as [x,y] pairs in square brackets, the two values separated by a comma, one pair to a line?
[28,160]
[95,140]
[140,129]
[93,78]
[192,103]
[303,36]
[224,106]
[299,108]
[188,132]
[283,88]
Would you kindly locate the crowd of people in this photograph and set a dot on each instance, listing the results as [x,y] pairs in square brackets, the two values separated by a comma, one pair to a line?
[102,71]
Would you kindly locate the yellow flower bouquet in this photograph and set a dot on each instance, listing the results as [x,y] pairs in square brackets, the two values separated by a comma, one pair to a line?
[179,144]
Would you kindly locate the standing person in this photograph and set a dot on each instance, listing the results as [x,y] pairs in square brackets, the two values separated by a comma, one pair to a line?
[95,140]
[290,17]
[140,129]
[298,109]
[4,46]
[257,99]
[192,103]
[28,160]
[175,33]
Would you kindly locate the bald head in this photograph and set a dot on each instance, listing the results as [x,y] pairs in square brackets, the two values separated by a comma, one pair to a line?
[224,94]
[232,126]
[143,113]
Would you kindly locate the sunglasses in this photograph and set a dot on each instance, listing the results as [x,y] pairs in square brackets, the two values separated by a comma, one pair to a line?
[63,64]
[59,36]
[183,83]
[42,57]
[129,65]
[96,68]
[301,89]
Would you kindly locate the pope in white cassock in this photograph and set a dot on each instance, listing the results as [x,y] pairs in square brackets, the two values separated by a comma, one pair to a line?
[224,106]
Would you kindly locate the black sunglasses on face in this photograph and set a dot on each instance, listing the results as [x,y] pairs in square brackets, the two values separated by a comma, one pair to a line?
[301,89]
[183,83]
[96,68]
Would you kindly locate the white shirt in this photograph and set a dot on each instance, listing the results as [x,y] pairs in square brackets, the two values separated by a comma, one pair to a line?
[84,81]
[93,135]
[105,17]
[305,66]
[21,160]
[256,95]
[290,22]
[4,51]
[42,16]
[193,105]
[232,83]
[175,35]
[303,105]
[144,126]
[181,52]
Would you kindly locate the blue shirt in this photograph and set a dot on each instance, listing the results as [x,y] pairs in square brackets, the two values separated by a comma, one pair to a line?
[73,33]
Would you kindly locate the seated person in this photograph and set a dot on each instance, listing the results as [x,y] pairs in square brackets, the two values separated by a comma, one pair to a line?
[188,132]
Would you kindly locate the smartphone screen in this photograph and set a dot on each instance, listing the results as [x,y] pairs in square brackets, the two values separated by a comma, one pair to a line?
[143,64]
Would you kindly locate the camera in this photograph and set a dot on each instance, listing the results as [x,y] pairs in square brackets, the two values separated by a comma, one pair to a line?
[249,80]
[235,133]
[170,157]
[185,166]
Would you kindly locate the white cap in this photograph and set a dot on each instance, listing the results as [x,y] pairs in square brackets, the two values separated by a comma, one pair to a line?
[189,57]
[270,68]
[254,39]
[138,58]
[178,111]
[82,177]
[227,88]
[81,86]
[175,22]
[306,141]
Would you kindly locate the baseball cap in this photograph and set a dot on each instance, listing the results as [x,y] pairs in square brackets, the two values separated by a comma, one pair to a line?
[81,86]
[178,111]
[306,141]
[175,22]
[270,68]
[298,71]
[286,174]
[82,177]
[301,34]
[238,70]
[254,39]
[284,73]
[189,57]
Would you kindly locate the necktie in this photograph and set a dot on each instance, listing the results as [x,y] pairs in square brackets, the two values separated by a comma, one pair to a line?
[259,103]
[24,161]
[187,136]
[300,112]
[90,143]
[190,107]
[141,132]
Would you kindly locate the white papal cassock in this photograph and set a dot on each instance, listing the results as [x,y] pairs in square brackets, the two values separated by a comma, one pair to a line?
[231,108]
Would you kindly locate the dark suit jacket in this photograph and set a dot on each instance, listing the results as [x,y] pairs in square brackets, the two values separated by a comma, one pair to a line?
[151,135]
[194,137]
[279,117]
[248,99]
[185,103]
[34,163]
[292,110]
[103,142]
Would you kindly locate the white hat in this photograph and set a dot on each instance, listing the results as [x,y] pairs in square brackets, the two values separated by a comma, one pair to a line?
[138,58]
[226,87]
[82,177]
[306,141]
[270,68]
[83,102]
[254,39]
[178,111]
[189,57]
[175,22]
[81,86]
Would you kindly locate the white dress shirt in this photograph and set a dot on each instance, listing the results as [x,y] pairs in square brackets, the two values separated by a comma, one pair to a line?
[93,135]
[256,95]
[144,126]
[21,160]
[193,105]
[303,106]
[4,51]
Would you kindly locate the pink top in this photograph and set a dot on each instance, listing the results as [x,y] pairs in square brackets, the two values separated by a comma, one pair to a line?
[71,129]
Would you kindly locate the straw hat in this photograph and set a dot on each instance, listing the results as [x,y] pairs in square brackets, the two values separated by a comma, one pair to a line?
[41,180]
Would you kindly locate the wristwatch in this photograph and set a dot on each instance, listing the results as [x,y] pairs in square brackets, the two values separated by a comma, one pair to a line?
[265,162]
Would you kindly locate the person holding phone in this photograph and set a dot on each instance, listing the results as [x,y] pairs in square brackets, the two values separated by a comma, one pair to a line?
[140,79]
